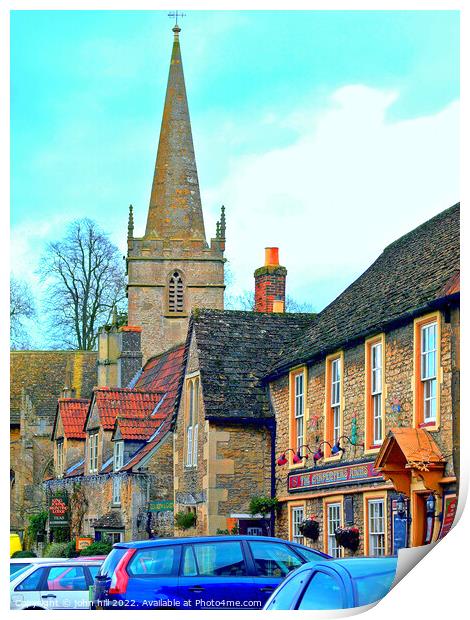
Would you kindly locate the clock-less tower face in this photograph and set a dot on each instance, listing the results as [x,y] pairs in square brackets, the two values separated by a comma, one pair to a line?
[172,269]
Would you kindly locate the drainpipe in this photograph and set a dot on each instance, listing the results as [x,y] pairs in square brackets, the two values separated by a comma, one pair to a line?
[272,430]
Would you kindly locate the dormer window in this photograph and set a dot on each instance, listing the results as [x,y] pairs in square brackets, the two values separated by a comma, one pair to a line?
[175,293]
[118,455]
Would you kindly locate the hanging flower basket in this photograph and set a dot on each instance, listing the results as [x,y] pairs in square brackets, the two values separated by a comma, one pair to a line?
[310,528]
[348,537]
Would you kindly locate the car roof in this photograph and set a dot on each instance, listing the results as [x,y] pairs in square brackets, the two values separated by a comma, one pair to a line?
[35,560]
[141,544]
[359,567]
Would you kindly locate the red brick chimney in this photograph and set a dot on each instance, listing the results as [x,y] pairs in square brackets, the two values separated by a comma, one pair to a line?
[270,284]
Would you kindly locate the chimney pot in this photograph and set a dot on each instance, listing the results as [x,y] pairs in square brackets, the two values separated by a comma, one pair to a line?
[271,257]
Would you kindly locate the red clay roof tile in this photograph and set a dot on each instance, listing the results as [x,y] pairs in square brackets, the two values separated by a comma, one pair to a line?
[72,412]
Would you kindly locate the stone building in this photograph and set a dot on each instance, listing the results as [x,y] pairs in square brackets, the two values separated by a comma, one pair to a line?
[172,269]
[225,428]
[118,473]
[367,402]
[37,380]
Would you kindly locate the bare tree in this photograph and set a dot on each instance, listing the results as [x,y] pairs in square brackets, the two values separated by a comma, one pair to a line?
[84,278]
[21,307]
[246,301]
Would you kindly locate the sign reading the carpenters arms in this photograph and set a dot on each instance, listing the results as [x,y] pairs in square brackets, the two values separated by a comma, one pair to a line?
[58,511]
[333,476]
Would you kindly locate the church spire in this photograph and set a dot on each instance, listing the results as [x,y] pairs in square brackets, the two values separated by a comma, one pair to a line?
[175,210]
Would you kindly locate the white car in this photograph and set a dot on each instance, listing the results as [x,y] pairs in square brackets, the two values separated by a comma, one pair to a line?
[54,585]
[19,564]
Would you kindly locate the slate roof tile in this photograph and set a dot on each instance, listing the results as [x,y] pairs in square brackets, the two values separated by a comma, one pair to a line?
[235,350]
[407,278]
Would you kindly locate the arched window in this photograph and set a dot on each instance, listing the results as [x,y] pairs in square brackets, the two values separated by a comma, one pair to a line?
[175,293]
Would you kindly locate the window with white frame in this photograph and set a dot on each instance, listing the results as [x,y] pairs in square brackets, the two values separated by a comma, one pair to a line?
[60,457]
[110,536]
[93,452]
[376,383]
[376,526]
[333,522]
[299,410]
[192,422]
[336,399]
[118,455]
[117,490]
[297,516]
[429,370]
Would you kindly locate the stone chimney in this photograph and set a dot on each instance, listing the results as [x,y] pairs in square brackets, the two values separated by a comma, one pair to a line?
[270,284]
[119,355]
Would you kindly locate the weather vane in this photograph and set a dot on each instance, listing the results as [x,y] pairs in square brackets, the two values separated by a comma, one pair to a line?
[176,14]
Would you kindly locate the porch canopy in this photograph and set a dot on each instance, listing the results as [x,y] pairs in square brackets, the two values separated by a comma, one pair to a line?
[410,451]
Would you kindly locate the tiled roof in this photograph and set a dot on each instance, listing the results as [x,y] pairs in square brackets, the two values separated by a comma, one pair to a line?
[78,469]
[407,278]
[416,445]
[42,375]
[72,412]
[135,429]
[235,351]
[125,402]
[163,373]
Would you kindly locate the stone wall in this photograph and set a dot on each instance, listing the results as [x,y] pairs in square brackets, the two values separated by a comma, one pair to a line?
[398,395]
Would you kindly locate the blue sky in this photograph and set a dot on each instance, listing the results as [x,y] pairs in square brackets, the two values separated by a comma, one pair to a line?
[328,133]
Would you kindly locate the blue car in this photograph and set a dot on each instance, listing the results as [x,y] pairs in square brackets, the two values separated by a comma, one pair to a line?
[336,584]
[218,572]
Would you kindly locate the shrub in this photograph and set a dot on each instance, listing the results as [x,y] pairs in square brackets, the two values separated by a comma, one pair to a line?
[70,551]
[56,550]
[263,505]
[37,524]
[24,554]
[185,520]
[99,547]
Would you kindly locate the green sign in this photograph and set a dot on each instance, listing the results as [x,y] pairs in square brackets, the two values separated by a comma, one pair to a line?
[58,510]
[161,505]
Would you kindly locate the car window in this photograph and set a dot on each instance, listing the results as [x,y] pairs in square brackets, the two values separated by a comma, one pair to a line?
[310,554]
[111,561]
[66,578]
[323,592]
[14,568]
[189,562]
[288,591]
[274,559]
[93,571]
[31,582]
[219,559]
[373,587]
[153,562]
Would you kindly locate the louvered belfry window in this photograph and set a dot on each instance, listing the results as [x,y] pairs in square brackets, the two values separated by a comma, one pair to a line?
[175,293]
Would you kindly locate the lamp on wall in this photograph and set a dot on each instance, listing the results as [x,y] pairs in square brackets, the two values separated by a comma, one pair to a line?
[401,505]
[431,504]
[282,460]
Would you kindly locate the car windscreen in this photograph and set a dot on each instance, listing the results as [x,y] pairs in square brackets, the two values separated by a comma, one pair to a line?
[16,569]
[372,588]
[109,565]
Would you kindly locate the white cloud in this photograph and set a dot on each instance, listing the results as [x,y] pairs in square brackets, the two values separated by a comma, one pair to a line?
[348,184]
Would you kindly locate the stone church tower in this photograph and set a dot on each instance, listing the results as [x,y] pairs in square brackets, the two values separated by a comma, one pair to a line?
[172,269]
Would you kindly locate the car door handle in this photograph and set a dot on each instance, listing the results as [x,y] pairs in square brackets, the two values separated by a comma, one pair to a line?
[48,596]
[196,589]
[267,589]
